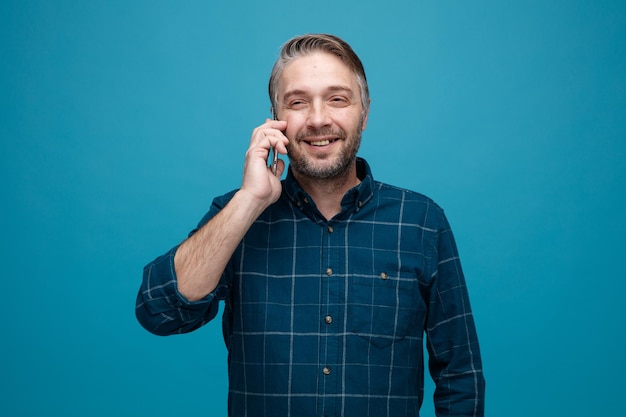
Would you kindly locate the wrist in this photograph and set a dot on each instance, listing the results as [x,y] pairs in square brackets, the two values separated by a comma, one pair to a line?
[250,203]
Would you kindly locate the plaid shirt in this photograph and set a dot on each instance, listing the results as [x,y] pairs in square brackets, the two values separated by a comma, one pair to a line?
[327,317]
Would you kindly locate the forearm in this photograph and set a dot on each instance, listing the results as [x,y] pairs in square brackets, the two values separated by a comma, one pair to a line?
[460,384]
[454,353]
[454,357]
[180,290]
[200,261]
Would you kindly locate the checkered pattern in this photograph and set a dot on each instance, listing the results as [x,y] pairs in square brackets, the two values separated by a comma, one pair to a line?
[327,318]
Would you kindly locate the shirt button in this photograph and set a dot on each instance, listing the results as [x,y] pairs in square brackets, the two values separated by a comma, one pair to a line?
[329,271]
[383,275]
[330,229]
[328,319]
[326,370]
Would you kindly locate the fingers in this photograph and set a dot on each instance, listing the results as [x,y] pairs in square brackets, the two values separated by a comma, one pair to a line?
[270,135]
[258,178]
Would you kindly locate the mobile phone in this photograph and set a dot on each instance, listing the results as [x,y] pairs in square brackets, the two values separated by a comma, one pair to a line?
[274,160]
[274,152]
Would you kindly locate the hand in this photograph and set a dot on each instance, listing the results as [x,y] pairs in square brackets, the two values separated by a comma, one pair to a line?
[258,179]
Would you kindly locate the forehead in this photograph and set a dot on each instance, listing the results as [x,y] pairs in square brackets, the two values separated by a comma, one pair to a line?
[316,71]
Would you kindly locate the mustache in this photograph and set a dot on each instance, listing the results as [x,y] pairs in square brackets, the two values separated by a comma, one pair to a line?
[310,135]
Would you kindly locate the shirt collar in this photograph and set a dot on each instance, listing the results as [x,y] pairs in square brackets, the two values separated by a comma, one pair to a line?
[352,201]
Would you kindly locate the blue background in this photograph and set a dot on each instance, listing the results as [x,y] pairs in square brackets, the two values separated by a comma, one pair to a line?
[120,121]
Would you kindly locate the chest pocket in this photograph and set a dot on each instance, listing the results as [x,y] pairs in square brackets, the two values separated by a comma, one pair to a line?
[384,308]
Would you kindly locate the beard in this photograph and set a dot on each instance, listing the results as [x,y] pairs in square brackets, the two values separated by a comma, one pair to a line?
[331,167]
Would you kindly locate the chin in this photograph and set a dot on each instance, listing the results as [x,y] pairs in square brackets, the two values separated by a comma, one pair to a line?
[326,169]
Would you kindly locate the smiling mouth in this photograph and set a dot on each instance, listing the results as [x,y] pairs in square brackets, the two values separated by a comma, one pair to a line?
[323,142]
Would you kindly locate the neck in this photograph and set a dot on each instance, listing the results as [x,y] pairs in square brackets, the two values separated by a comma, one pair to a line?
[327,193]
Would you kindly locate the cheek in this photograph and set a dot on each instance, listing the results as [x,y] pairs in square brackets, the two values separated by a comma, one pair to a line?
[294,125]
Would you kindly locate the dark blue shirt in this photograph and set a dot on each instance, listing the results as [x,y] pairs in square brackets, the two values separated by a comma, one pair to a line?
[327,317]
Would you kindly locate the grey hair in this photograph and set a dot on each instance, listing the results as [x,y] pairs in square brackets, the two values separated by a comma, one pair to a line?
[306,44]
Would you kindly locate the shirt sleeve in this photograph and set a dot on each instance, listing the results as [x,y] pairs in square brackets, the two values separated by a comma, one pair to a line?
[161,308]
[454,356]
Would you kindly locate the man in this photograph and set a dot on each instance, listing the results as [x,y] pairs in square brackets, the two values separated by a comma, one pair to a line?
[330,278]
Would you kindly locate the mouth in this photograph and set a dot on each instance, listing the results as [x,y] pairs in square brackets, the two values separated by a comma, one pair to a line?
[321,142]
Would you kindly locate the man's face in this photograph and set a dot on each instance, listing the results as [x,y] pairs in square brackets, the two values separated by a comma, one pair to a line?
[319,97]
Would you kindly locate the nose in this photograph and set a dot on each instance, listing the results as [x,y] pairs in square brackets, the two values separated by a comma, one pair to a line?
[318,116]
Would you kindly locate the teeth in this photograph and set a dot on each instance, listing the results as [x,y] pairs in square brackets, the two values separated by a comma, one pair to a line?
[321,143]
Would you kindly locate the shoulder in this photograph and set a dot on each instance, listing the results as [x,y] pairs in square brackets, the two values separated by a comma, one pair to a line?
[216,206]
[412,205]
[403,194]
[221,201]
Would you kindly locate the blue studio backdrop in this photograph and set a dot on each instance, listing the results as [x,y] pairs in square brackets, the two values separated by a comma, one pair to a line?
[120,121]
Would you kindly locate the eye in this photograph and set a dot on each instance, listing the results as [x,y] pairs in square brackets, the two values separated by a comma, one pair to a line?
[339,101]
[296,104]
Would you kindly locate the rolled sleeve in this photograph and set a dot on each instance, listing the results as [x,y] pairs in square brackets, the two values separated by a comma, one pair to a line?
[161,309]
